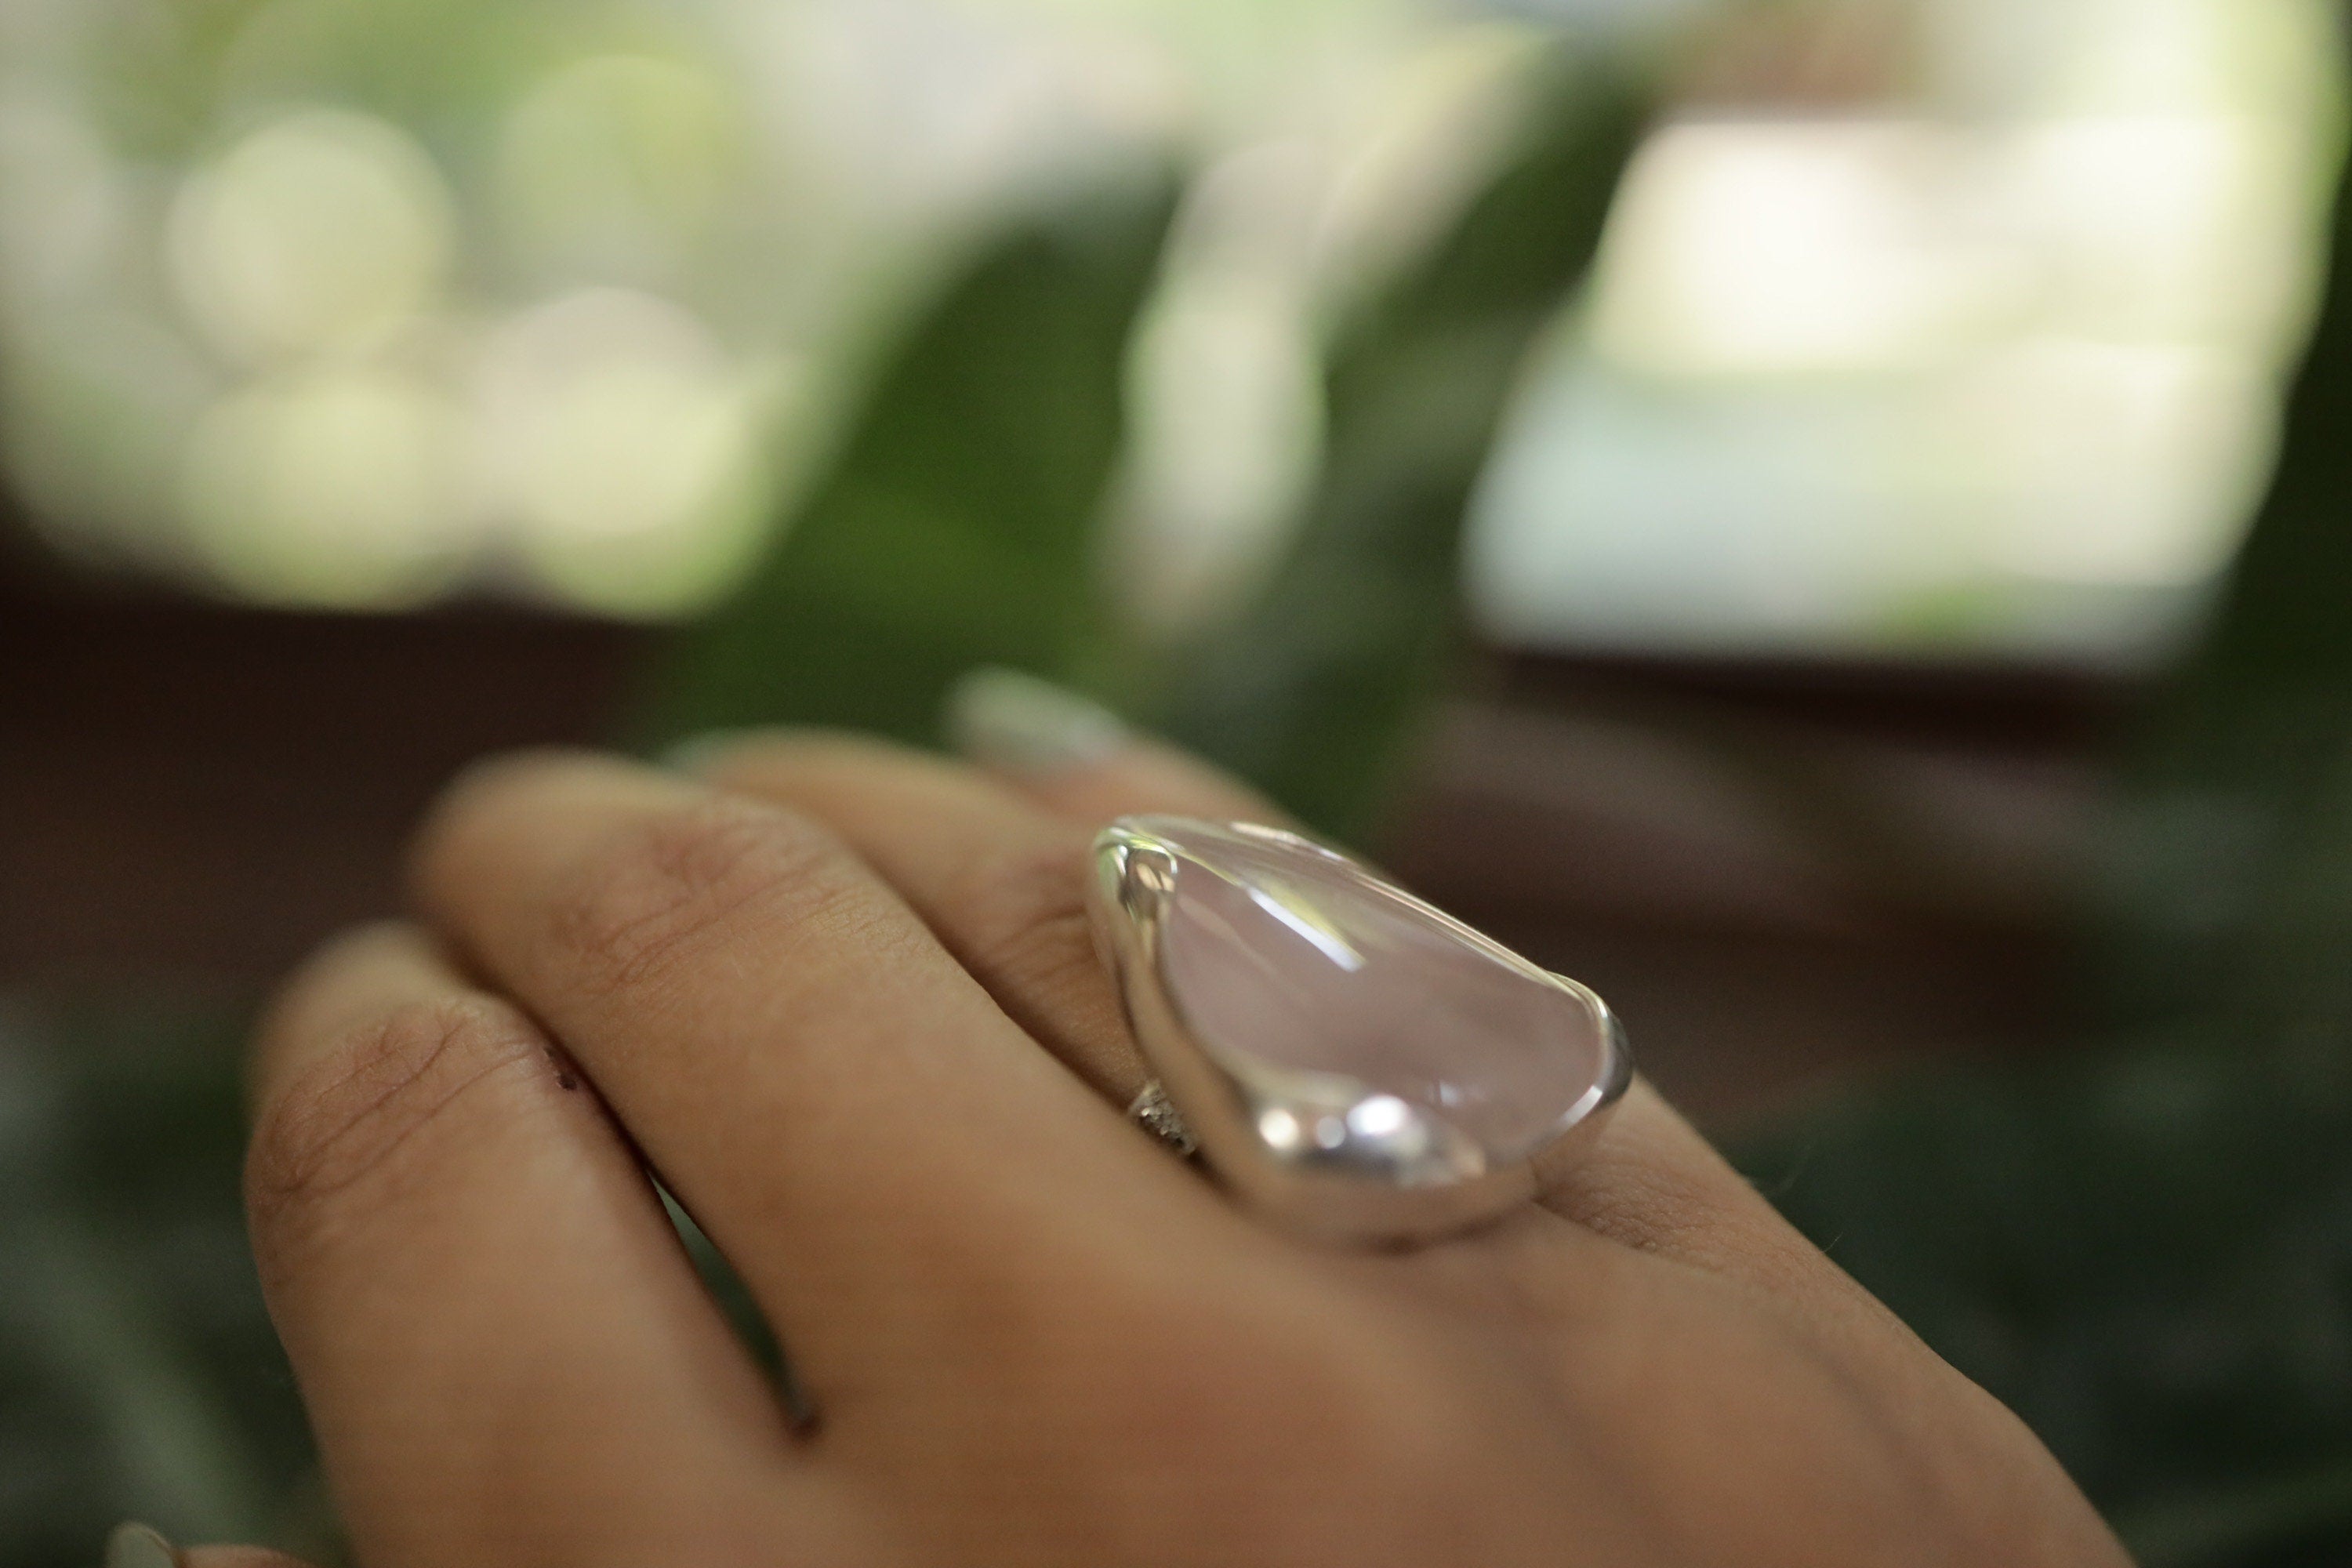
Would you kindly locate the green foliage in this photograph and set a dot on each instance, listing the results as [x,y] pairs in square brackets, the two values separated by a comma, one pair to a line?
[139,1374]
[953,528]
[444,68]
[2148,1252]
[1313,688]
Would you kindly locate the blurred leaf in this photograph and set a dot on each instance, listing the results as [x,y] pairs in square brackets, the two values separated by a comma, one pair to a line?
[2299,1517]
[139,1373]
[1312,688]
[953,528]
[2146,1254]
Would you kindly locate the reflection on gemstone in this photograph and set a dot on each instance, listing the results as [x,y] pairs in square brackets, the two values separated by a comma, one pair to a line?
[1363,1029]
[1299,916]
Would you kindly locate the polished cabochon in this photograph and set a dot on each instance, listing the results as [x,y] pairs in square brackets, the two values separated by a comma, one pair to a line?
[1352,1062]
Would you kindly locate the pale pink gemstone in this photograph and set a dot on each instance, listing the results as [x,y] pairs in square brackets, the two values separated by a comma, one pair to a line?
[1280,954]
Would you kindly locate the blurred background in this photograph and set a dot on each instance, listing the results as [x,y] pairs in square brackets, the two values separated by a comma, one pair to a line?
[1822,518]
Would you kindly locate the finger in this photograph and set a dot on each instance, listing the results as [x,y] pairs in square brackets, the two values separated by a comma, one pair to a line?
[1146,777]
[999,878]
[506,1355]
[1652,1182]
[1079,760]
[881,1153]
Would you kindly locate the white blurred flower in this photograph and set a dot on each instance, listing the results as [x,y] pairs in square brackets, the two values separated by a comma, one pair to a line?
[621,444]
[339,488]
[97,402]
[63,210]
[318,232]
[615,166]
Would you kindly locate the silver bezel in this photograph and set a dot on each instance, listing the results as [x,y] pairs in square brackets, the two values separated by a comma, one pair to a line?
[1134,874]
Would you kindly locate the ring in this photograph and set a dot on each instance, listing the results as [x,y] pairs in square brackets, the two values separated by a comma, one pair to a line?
[1350,1062]
[1159,1116]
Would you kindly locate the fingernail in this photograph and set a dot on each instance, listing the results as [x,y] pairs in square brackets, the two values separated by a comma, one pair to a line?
[136,1546]
[697,752]
[1018,724]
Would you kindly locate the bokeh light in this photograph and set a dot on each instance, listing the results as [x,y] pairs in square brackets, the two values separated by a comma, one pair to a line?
[343,487]
[625,448]
[1969,340]
[618,167]
[315,234]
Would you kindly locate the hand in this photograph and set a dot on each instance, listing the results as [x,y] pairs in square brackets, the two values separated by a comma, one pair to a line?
[842,998]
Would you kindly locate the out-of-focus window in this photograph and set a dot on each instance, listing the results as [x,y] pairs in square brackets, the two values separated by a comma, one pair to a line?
[1921,326]
[1970,348]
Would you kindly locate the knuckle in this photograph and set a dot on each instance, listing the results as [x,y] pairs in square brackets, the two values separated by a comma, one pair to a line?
[346,1116]
[1034,931]
[1354,1409]
[671,885]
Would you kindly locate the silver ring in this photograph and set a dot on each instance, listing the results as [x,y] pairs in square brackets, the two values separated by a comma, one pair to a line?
[1349,1061]
[1157,1115]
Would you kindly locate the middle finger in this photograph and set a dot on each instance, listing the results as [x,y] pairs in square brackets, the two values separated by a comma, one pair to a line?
[1000,880]
[891,1163]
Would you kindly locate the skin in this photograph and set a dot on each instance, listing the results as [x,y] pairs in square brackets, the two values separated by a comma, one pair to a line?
[843,999]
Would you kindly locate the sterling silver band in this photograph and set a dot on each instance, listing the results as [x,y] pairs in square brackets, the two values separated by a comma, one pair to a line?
[1158,1113]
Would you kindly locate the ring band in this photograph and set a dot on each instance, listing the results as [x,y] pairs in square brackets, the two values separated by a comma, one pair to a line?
[1159,1117]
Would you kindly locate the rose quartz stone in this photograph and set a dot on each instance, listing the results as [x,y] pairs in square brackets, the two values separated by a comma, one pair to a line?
[1282,955]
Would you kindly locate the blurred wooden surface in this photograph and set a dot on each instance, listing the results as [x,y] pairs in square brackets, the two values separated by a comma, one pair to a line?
[191,794]
[1780,876]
